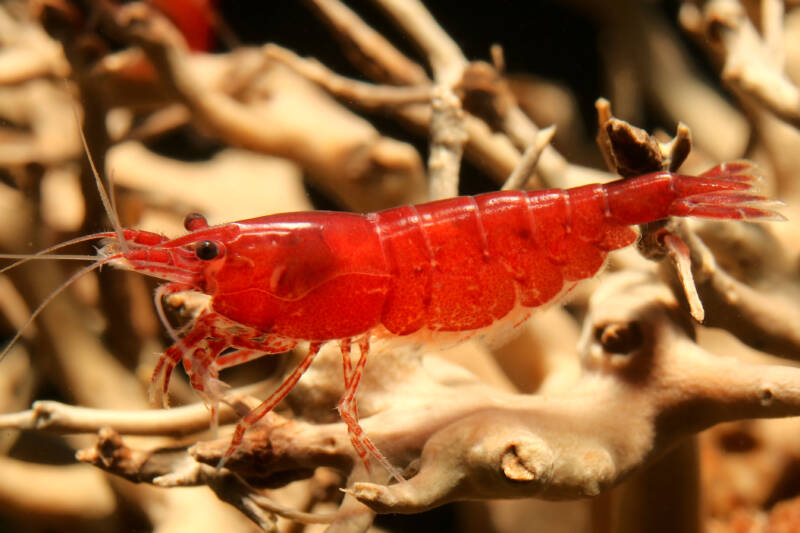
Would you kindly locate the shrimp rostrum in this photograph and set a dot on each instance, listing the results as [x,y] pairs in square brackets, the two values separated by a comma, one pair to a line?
[454,267]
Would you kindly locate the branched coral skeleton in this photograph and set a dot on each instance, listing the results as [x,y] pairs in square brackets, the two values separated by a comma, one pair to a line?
[645,386]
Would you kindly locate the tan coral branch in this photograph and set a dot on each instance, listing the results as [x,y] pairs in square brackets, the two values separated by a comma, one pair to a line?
[765,318]
[750,62]
[347,156]
[364,94]
[495,154]
[448,133]
[174,468]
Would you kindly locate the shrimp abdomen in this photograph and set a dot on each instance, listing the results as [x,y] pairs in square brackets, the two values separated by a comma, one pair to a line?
[462,263]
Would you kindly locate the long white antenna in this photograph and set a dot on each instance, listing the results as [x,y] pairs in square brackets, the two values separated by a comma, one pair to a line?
[112,215]
[56,292]
[43,254]
[24,258]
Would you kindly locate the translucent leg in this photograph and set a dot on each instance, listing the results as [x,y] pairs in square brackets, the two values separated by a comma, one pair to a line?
[248,350]
[347,370]
[199,364]
[267,405]
[238,357]
[348,410]
[171,357]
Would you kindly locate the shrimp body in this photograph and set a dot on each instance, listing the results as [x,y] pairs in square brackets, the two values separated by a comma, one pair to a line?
[458,264]
[455,265]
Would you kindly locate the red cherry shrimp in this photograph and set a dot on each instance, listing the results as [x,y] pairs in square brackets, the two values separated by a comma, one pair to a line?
[459,266]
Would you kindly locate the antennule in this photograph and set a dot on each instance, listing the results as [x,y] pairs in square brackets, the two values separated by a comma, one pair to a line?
[112,215]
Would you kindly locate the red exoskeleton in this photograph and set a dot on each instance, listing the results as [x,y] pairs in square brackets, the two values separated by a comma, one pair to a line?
[463,265]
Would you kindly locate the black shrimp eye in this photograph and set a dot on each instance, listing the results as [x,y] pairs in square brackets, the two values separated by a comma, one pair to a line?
[206,250]
[194,221]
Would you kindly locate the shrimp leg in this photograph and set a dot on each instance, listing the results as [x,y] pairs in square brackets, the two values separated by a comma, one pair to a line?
[345,347]
[267,405]
[203,375]
[348,410]
[203,328]
[238,357]
[168,360]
